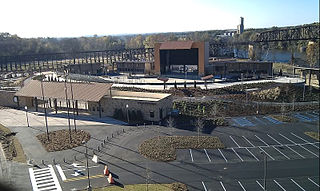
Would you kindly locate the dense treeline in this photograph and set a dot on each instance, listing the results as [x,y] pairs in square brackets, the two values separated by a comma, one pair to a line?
[14,45]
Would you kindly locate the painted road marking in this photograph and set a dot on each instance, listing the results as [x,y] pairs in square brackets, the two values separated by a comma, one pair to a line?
[207,155]
[242,186]
[279,185]
[274,140]
[223,186]
[84,177]
[266,153]
[252,154]
[44,179]
[237,154]
[234,141]
[281,152]
[222,155]
[262,141]
[259,184]
[313,182]
[304,140]
[272,120]
[204,186]
[62,175]
[248,141]
[302,117]
[191,155]
[297,184]
[295,152]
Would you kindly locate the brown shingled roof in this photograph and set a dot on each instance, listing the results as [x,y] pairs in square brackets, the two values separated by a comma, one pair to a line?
[176,45]
[81,91]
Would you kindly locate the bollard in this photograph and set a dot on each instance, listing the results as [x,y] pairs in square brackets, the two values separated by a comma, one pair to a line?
[111,135]
[42,161]
[64,159]
[122,130]
[54,161]
[98,148]
[101,145]
[104,141]
[75,157]
[107,138]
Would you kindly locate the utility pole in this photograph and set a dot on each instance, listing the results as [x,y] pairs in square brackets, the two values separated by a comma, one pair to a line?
[87,165]
[66,92]
[44,106]
[74,115]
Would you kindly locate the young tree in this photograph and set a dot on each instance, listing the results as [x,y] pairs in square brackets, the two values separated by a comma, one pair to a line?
[171,124]
[199,124]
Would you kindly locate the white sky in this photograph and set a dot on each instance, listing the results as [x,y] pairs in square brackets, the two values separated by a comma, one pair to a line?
[73,18]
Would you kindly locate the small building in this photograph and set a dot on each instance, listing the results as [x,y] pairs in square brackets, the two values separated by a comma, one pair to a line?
[311,75]
[232,68]
[86,68]
[181,58]
[94,98]
[134,67]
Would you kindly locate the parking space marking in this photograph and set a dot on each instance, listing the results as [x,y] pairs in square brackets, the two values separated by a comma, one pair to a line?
[191,155]
[299,145]
[302,117]
[222,186]
[252,154]
[204,186]
[274,139]
[237,154]
[248,141]
[272,120]
[207,155]
[242,186]
[266,153]
[295,151]
[279,185]
[234,141]
[297,184]
[304,140]
[259,120]
[62,175]
[222,155]
[262,140]
[314,182]
[259,184]
[281,152]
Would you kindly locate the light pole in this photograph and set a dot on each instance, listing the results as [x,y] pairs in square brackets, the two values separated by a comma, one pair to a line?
[44,105]
[89,184]
[26,108]
[67,101]
[264,171]
[127,108]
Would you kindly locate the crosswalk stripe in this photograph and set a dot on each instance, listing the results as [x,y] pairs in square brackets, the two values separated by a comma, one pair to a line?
[44,179]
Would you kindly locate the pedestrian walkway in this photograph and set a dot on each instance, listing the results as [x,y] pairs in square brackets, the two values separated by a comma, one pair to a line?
[44,179]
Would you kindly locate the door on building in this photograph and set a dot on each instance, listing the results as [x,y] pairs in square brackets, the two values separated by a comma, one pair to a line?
[160,113]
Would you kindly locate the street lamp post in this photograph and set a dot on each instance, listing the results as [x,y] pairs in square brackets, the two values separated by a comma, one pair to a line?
[264,171]
[26,108]
[67,101]
[89,184]
[127,107]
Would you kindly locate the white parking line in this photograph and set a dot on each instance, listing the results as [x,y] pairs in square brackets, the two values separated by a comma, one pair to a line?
[63,176]
[259,184]
[242,186]
[266,153]
[297,184]
[262,140]
[191,155]
[204,186]
[234,141]
[281,152]
[298,145]
[313,182]
[207,155]
[274,139]
[222,155]
[295,152]
[237,155]
[223,186]
[304,140]
[252,154]
[248,141]
[279,185]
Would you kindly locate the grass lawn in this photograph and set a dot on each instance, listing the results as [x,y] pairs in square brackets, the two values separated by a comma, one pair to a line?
[137,187]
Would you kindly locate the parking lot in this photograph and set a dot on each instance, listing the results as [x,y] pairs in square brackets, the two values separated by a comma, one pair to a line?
[281,184]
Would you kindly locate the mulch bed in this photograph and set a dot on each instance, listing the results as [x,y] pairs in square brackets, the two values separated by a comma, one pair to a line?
[60,140]
[163,148]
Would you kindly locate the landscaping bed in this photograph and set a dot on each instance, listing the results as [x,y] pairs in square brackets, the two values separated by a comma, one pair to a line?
[163,148]
[176,186]
[314,135]
[285,118]
[60,140]
[11,146]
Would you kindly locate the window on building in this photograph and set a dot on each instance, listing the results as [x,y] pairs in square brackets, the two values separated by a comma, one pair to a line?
[93,109]
[152,114]
[102,110]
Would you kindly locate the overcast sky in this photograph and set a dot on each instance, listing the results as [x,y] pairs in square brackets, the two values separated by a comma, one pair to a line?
[74,18]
